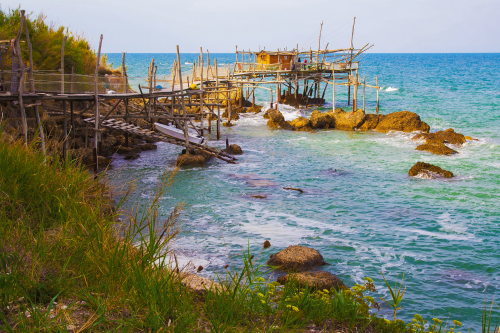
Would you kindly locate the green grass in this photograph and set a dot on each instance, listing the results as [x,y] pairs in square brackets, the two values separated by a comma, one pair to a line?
[67,262]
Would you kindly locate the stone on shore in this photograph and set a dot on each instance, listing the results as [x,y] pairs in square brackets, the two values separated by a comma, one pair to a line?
[147,146]
[317,280]
[448,136]
[347,121]
[426,170]
[371,122]
[234,115]
[296,258]
[233,149]
[199,284]
[276,120]
[437,148]
[322,120]
[404,121]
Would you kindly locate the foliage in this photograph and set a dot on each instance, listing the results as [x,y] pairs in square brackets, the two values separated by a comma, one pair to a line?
[46,39]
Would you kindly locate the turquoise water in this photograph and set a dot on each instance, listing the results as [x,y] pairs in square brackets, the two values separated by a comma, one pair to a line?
[360,209]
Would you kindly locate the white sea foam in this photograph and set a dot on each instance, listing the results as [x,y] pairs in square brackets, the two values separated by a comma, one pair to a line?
[389,89]
[442,235]
[449,225]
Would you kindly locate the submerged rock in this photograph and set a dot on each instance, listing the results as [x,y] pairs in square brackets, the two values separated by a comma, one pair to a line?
[147,146]
[254,109]
[233,149]
[371,122]
[448,136]
[322,120]
[347,121]
[427,170]
[404,121]
[234,115]
[296,258]
[318,280]
[437,148]
[276,120]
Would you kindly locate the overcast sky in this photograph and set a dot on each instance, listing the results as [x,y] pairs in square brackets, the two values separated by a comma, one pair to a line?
[218,25]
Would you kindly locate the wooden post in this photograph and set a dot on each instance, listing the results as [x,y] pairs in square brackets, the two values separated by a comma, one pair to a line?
[364,86]
[277,95]
[355,96]
[218,101]
[62,64]
[32,86]
[319,43]
[182,97]
[96,116]
[201,88]
[17,52]
[333,73]
[240,103]
[253,97]
[378,88]
[65,131]
[71,87]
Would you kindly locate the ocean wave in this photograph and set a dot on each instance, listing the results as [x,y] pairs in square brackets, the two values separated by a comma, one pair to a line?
[390,89]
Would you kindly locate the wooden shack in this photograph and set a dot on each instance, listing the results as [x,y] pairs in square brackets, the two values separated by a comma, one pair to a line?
[274,58]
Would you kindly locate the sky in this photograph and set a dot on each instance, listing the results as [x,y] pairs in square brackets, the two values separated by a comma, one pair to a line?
[393,26]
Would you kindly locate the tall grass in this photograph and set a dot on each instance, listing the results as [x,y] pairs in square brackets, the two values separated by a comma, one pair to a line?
[68,263]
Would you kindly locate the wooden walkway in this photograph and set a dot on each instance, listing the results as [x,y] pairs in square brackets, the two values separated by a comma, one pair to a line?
[136,130]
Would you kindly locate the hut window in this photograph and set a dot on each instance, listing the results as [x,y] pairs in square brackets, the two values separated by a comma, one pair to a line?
[285,57]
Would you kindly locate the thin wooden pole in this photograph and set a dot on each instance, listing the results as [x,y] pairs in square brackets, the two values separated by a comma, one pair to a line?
[218,106]
[65,130]
[17,52]
[72,78]
[32,86]
[378,88]
[319,42]
[62,65]
[333,73]
[355,96]
[364,87]
[201,88]
[182,97]
[97,115]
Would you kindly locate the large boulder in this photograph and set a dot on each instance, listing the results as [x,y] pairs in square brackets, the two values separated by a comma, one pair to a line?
[318,280]
[192,158]
[322,120]
[448,136]
[233,149]
[347,121]
[296,258]
[426,170]
[234,115]
[371,122]
[147,146]
[276,120]
[404,121]
[300,124]
[437,148]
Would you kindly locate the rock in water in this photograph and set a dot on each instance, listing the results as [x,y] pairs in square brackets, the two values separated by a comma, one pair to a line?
[296,258]
[429,171]
[315,280]
[254,109]
[437,148]
[147,146]
[300,124]
[404,121]
[347,121]
[193,158]
[233,149]
[322,120]
[371,122]
[448,136]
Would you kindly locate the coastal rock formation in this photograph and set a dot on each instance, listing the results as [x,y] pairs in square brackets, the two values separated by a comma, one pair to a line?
[448,136]
[347,121]
[233,149]
[371,122]
[426,170]
[147,146]
[300,124]
[192,158]
[296,258]
[276,120]
[404,121]
[437,148]
[317,280]
[239,110]
[234,115]
[322,120]
[254,109]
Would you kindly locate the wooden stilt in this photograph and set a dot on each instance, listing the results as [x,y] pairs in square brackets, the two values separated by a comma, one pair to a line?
[182,98]
[333,74]
[364,86]
[97,116]
[378,88]
[218,101]
[355,95]
[201,88]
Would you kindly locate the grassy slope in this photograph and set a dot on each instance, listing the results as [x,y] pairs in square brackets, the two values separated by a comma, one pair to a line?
[61,242]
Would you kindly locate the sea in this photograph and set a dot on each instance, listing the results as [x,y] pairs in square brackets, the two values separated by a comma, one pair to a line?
[359,208]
